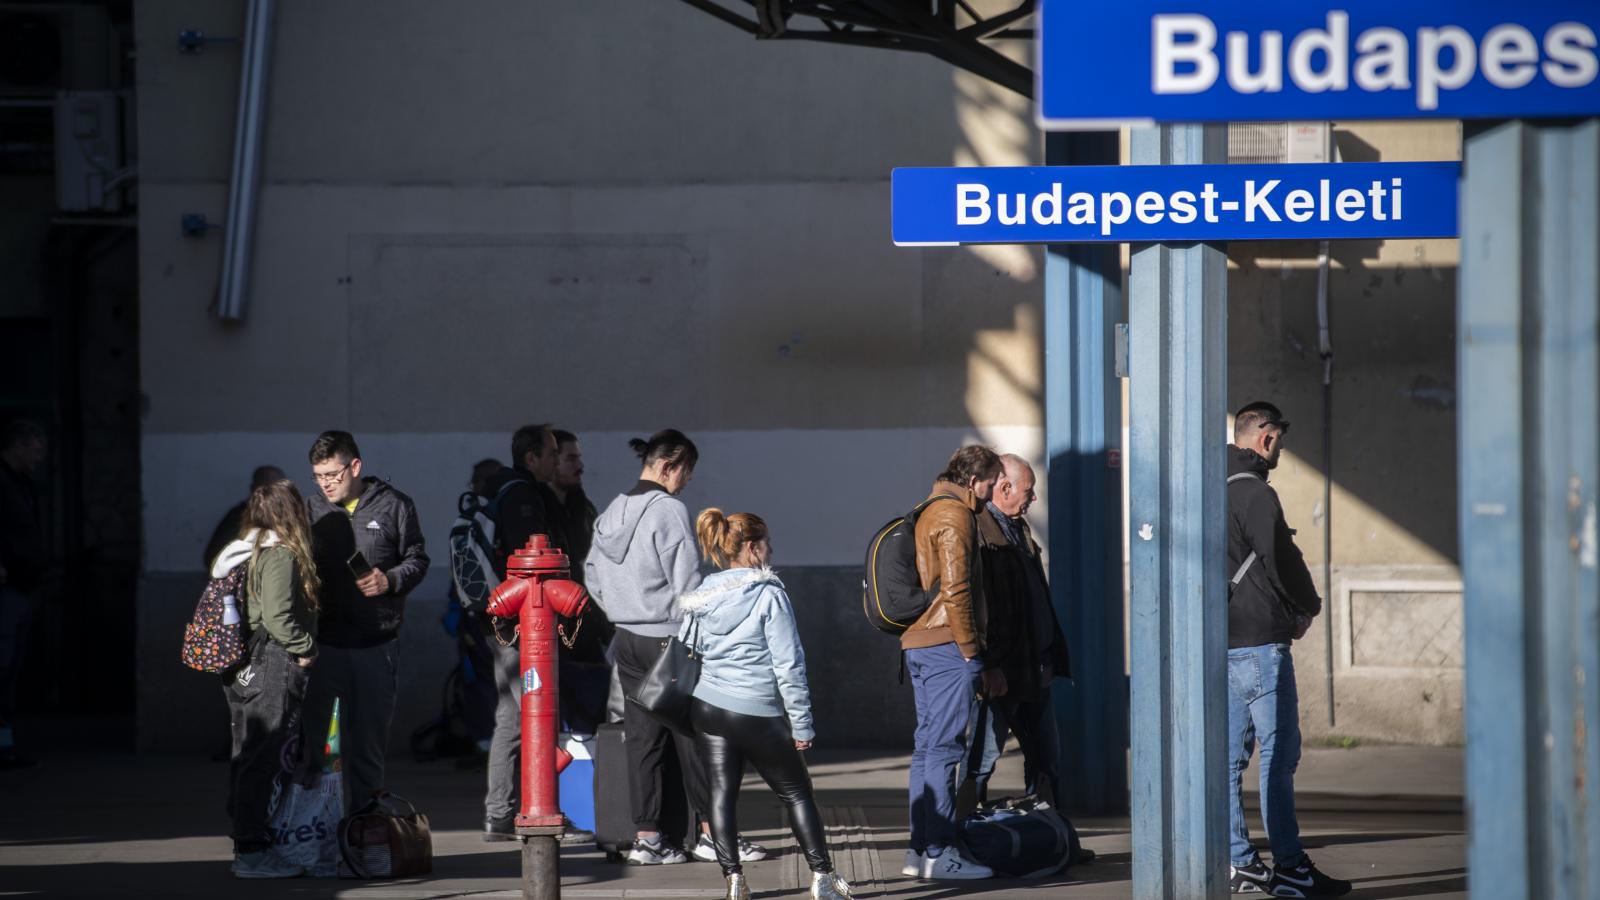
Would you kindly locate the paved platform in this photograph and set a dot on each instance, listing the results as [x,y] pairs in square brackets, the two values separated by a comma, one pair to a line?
[107,824]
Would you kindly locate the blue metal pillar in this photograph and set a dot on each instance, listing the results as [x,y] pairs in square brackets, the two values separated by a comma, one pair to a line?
[1178,316]
[1083,420]
[1530,459]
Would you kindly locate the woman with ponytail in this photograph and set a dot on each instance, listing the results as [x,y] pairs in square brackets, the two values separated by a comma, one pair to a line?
[752,703]
[264,696]
[642,559]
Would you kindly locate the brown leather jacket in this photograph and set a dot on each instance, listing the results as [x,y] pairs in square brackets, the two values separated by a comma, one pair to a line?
[947,553]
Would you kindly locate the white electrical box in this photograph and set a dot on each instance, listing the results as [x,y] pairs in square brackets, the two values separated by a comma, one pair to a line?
[88,151]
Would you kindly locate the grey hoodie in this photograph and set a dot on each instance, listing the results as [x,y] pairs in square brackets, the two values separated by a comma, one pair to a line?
[643,558]
[751,661]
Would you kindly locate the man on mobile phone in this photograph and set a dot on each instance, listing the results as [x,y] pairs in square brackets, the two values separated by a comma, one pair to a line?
[369,554]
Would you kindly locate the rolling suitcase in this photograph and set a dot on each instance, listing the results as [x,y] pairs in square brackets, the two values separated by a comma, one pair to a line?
[613,810]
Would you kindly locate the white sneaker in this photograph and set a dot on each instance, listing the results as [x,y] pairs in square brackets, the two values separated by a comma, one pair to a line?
[264,864]
[706,851]
[952,866]
[913,866]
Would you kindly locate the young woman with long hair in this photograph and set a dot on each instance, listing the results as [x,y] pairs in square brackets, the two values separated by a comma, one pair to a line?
[752,703]
[264,696]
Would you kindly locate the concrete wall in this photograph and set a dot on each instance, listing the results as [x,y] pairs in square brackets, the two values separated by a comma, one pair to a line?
[622,216]
[1395,602]
[610,215]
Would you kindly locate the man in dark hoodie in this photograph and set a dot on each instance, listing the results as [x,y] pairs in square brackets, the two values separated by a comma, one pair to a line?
[360,610]
[525,506]
[1271,603]
[585,672]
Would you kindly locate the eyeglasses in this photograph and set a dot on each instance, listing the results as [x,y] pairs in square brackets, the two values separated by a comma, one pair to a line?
[334,477]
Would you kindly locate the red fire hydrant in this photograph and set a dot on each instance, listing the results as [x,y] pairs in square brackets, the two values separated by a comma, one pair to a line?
[536,590]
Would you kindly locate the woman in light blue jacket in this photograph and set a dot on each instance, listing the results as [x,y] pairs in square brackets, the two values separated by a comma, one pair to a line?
[751,703]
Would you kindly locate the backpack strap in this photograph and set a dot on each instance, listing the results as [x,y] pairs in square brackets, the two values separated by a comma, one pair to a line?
[1250,560]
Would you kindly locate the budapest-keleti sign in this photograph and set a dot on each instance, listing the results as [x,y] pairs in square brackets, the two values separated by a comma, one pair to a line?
[1137,62]
[1050,204]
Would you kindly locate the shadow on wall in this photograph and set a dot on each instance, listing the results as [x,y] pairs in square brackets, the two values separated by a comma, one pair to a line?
[1393,417]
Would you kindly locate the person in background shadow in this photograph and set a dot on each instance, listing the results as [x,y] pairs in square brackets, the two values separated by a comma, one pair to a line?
[227,530]
[24,561]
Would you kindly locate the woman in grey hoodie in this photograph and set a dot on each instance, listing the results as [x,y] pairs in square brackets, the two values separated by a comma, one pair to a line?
[643,557]
[751,703]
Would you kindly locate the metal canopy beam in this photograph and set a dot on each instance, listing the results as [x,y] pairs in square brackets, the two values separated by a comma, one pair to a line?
[906,25]
[1083,423]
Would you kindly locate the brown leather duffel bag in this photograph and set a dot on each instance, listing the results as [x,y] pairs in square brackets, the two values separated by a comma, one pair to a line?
[386,838]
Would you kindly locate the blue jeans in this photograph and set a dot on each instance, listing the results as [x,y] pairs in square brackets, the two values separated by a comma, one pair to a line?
[944,685]
[1034,724]
[1264,710]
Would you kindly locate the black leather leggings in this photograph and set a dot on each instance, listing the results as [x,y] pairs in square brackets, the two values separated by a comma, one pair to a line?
[725,741]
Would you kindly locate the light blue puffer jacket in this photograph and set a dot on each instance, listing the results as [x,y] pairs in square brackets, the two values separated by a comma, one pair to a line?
[751,659]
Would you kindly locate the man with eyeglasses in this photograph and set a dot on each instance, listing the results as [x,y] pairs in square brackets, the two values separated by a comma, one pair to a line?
[1024,640]
[369,554]
[1271,602]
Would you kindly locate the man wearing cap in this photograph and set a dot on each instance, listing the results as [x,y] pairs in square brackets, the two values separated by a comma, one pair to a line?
[1271,601]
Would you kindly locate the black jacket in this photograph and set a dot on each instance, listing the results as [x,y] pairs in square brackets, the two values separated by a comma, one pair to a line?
[23,550]
[385,530]
[1277,585]
[527,508]
[1024,639]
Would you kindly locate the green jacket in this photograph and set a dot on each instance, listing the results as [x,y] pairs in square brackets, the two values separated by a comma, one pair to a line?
[274,601]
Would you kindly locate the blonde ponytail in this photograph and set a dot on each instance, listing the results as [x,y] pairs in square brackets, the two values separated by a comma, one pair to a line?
[722,537]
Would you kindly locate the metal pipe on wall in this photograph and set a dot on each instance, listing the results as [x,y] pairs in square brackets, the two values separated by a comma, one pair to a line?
[1325,350]
[244,188]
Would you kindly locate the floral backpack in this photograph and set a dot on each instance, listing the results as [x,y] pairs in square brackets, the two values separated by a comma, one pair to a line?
[214,639]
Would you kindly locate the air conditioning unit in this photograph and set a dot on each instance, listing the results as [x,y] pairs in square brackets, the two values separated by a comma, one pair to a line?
[88,151]
[45,48]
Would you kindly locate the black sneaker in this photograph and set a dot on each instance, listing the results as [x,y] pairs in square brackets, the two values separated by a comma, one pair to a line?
[1305,881]
[1251,879]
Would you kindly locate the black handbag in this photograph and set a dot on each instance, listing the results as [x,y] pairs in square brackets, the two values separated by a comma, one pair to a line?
[665,691]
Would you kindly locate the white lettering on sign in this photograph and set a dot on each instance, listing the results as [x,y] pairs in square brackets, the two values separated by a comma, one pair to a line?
[976,204]
[970,199]
[1184,56]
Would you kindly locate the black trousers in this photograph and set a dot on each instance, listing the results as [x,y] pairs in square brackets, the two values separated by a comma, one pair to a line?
[648,741]
[727,740]
[264,700]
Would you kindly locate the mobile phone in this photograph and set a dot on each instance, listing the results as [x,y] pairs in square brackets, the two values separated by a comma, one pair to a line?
[359,567]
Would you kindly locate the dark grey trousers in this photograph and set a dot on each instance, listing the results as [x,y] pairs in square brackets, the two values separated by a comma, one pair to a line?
[505,747]
[365,681]
[264,705]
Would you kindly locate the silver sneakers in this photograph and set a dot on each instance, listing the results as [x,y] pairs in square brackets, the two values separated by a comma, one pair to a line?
[738,888]
[829,886]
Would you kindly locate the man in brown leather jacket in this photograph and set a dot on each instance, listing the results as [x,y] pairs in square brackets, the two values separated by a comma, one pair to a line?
[944,657]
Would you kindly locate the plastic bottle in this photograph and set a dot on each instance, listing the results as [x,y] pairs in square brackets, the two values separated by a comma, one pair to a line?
[230,610]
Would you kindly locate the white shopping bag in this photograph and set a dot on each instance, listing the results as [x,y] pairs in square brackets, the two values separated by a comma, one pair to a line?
[305,824]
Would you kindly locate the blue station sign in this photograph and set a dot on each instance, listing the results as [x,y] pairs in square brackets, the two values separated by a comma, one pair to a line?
[1137,62]
[1064,204]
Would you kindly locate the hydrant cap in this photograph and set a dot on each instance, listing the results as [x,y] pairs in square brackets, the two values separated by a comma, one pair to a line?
[538,557]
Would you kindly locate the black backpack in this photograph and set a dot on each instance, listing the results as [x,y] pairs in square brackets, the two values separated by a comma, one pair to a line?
[892,597]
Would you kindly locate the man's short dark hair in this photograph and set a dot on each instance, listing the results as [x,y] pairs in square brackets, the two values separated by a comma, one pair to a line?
[265,475]
[332,444]
[529,439]
[21,431]
[976,461]
[564,436]
[1252,417]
